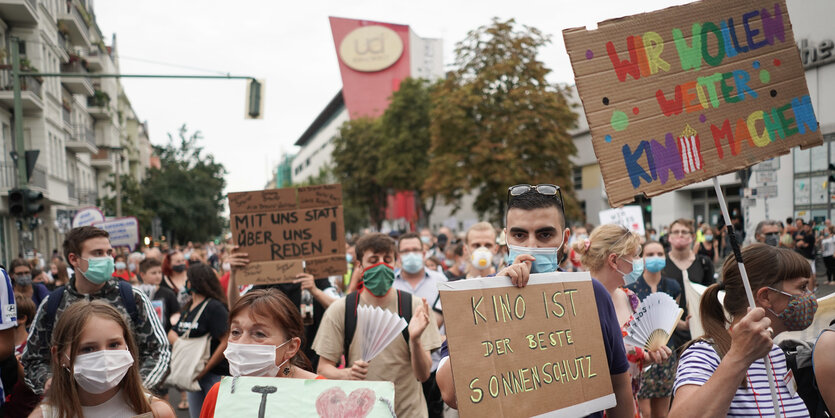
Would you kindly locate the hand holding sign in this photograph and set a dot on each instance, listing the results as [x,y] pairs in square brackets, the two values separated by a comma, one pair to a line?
[520,271]
[419,321]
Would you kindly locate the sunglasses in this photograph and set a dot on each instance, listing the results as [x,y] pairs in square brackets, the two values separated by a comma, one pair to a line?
[543,189]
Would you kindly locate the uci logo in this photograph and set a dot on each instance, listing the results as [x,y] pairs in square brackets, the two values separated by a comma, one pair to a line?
[371,48]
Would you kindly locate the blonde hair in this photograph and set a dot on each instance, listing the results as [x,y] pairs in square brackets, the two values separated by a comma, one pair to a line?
[605,240]
[66,337]
[481,226]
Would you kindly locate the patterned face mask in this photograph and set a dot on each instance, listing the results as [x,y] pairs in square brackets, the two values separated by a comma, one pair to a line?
[800,312]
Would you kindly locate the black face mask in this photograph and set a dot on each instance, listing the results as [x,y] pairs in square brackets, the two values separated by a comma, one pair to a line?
[178,268]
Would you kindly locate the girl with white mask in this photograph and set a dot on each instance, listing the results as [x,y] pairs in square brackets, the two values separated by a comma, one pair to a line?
[93,369]
[265,339]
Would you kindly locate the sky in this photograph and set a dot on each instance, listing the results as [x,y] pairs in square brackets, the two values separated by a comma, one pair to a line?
[289,45]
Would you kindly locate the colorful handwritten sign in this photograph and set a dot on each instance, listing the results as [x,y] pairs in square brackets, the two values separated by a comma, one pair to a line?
[631,217]
[513,349]
[288,231]
[260,397]
[690,92]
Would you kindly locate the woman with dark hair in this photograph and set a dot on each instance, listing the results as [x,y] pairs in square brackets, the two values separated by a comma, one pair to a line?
[174,275]
[266,337]
[93,367]
[206,313]
[723,373]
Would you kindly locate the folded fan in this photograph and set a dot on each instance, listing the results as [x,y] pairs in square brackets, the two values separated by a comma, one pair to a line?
[652,325]
[377,328]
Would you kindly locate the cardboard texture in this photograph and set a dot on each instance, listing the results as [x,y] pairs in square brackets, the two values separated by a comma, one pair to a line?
[513,349]
[690,92]
[280,230]
[275,397]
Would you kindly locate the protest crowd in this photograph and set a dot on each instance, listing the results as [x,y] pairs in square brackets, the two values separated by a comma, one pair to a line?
[93,329]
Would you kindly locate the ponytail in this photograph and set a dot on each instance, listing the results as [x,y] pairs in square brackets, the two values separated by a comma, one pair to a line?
[714,320]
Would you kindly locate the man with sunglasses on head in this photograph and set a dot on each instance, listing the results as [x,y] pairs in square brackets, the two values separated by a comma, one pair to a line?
[536,232]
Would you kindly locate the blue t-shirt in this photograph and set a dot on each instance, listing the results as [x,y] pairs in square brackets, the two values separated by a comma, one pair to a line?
[612,337]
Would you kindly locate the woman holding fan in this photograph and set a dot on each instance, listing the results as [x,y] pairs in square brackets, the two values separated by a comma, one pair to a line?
[657,382]
[612,256]
[723,373]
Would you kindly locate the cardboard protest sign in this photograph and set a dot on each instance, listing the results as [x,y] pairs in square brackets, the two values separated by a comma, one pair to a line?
[260,397]
[87,216]
[124,232]
[631,217]
[288,231]
[690,92]
[512,350]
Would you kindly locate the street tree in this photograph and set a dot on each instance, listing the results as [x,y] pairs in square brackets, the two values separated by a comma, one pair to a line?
[356,157]
[497,121]
[405,126]
[186,192]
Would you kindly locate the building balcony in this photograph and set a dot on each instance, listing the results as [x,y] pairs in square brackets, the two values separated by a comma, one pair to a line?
[87,197]
[82,140]
[76,84]
[102,161]
[98,105]
[71,22]
[71,191]
[30,95]
[19,12]
[95,59]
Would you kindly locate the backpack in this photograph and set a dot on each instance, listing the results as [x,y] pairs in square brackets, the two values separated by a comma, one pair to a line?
[799,361]
[57,295]
[404,309]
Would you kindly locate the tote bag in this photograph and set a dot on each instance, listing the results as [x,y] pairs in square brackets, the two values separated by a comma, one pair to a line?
[188,358]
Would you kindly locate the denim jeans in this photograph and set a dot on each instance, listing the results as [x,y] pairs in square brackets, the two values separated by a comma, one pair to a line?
[195,399]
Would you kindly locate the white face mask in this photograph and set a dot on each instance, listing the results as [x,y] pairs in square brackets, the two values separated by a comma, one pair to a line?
[227,266]
[256,360]
[482,258]
[101,371]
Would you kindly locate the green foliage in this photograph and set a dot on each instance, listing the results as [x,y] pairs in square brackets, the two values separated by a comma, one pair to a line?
[405,126]
[355,217]
[186,193]
[496,121]
[133,202]
[356,156]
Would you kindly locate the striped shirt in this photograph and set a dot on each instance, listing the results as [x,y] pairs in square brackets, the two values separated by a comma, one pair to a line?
[700,360]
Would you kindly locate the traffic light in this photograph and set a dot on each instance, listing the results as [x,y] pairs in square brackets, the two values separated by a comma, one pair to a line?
[17,204]
[25,202]
[253,103]
[33,200]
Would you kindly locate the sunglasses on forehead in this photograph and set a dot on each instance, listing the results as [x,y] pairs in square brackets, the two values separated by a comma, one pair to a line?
[543,189]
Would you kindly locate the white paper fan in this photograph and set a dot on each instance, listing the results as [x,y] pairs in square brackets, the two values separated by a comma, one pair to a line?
[652,325]
[378,328]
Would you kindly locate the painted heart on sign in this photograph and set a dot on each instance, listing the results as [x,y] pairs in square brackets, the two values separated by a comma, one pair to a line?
[333,403]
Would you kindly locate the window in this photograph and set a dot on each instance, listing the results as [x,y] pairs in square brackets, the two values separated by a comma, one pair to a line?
[801,160]
[802,193]
[577,177]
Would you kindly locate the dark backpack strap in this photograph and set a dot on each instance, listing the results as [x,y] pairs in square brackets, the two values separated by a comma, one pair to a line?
[52,303]
[126,291]
[404,309]
[351,302]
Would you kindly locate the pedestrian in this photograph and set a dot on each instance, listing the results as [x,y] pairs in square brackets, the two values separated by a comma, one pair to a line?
[707,247]
[266,336]
[8,322]
[174,275]
[683,262]
[20,400]
[723,373]
[406,363]
[657,382]
[536,232]
[828,253]
[823,363]
[21,272]
[205,313]
[455,262]
[89,251]
[94,369]
[804,244]
[121,265]
[612,256]
[480,249]
[768,232]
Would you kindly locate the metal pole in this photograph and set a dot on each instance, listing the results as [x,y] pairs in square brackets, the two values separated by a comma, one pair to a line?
[118,182]
[20,145]
[747,284]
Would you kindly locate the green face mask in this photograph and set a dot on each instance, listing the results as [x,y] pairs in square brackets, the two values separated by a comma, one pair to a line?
[378,279]
[99,269]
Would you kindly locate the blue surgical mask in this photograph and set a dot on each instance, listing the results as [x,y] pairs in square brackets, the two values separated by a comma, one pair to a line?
[412,262]
[426,240]
[349,258]
[546,258]
[655,264]
[637,271]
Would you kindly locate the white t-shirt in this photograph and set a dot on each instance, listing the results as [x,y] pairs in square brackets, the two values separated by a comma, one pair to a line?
[115,407]
[828,246]
[700,360]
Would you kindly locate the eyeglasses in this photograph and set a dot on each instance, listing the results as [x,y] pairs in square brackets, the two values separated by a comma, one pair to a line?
[543,189]
[682,233]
